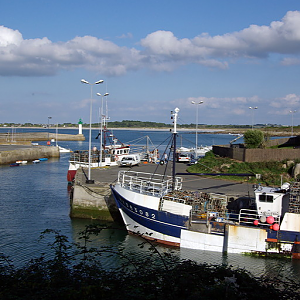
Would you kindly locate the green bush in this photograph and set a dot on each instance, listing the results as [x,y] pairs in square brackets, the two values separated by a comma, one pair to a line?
[253,138]
[75,272]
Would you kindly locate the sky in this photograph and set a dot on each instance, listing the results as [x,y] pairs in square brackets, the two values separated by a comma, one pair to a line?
[152,56]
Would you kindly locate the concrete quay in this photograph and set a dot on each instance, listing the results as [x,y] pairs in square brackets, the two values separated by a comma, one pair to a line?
[11,153]
[94,201]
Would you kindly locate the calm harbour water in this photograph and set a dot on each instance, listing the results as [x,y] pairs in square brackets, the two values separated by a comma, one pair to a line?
[35,197]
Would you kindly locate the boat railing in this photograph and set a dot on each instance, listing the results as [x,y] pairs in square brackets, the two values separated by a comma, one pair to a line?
[251,217]
[148,183]
[245,217]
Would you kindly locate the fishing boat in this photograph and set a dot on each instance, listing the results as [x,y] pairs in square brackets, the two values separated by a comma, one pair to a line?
[155,207]
[110,155]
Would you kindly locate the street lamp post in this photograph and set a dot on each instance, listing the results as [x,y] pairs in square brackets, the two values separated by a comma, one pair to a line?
[292,112]
[89,180]
[102,118]
[252,108]
[48,126]
[197,103]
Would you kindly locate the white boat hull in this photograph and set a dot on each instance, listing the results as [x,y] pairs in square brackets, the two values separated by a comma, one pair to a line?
[141,216]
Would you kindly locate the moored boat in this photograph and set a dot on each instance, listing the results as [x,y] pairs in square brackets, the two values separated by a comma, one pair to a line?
[111,154]
[156,207]
[63,150]
[23,162]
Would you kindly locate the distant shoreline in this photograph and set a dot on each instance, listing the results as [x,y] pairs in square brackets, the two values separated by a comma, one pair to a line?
[233,131]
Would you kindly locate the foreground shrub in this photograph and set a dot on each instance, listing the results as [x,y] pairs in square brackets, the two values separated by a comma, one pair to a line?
[75,272]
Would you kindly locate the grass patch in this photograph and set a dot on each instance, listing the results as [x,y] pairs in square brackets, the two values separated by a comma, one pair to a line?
[271,172]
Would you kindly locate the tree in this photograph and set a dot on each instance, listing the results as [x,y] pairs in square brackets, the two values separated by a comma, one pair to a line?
[253,138]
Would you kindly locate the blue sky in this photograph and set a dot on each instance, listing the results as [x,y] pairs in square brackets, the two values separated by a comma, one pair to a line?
[153,56]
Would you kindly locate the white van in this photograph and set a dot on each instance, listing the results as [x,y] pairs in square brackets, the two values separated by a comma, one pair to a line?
[130,160]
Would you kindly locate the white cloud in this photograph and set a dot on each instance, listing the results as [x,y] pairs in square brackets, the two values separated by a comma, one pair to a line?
[290,101]
[235,105]
[161,50]
[128,35]
[290,61]
[9,37]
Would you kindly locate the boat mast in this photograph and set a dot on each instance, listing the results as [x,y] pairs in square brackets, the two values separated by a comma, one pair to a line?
[174,117]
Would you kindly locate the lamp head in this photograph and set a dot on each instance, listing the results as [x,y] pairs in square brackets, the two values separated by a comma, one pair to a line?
[99,81]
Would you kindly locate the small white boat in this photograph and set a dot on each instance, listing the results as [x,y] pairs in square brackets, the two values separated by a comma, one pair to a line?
[63,150]
[36,161]
[23,162]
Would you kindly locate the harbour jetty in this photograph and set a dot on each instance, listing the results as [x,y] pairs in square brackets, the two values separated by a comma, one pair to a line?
[18,146]
[12,153]
[26,138]
[94,201]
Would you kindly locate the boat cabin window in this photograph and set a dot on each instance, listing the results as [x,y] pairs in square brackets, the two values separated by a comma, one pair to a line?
[265,198]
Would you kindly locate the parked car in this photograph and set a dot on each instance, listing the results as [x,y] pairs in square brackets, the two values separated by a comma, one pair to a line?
[130,160]
[181,157]
[193,161]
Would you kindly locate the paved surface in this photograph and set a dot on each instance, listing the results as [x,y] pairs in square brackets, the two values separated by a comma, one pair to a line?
[190,182]
[14,147]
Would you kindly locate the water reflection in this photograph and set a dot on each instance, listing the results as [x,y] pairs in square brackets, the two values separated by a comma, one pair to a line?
[130,246]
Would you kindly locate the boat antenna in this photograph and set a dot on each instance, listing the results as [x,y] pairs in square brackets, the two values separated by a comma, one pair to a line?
[174,116]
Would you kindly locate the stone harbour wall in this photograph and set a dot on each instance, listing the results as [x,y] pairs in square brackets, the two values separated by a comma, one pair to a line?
[256,155]
[29,154]
[92,201]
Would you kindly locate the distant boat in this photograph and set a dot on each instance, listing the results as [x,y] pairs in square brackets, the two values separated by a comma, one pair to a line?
[23,162]
[111,155]
[14,165]
[43,159]
[63,150]
[36,161]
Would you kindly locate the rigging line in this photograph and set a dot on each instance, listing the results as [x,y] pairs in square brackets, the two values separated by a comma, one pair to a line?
[170,151]
[161,159]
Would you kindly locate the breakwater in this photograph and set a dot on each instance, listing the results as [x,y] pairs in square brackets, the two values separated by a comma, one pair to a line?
[25,138]
[11,153]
